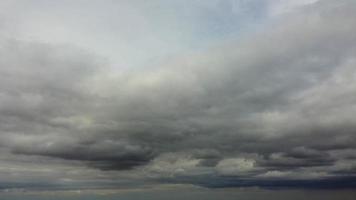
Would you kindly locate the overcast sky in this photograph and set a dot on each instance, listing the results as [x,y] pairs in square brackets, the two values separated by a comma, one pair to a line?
[137,94]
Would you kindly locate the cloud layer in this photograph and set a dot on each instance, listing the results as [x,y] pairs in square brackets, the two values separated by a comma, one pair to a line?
[272,108]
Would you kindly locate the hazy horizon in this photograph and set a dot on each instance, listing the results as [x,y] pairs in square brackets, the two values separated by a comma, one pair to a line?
[177,193]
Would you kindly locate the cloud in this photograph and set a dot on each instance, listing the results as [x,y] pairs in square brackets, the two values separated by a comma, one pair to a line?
[235,166]
[276,104]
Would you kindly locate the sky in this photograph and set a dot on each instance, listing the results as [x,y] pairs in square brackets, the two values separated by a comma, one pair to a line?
[142,95]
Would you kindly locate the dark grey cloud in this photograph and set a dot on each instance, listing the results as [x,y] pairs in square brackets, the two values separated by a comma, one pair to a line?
[272,109]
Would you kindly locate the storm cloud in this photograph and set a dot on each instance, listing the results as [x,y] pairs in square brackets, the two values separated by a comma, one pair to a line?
[271,108]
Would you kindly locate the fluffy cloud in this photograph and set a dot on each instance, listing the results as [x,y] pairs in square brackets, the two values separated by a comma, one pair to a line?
[275,104]
[235,166]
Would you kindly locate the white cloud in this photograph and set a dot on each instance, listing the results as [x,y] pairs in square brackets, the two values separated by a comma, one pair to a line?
[235,166]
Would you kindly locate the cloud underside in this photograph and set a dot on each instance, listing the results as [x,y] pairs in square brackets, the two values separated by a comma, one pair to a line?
[275,108]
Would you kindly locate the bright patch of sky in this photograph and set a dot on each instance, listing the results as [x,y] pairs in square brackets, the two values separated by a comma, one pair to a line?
[137,33]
